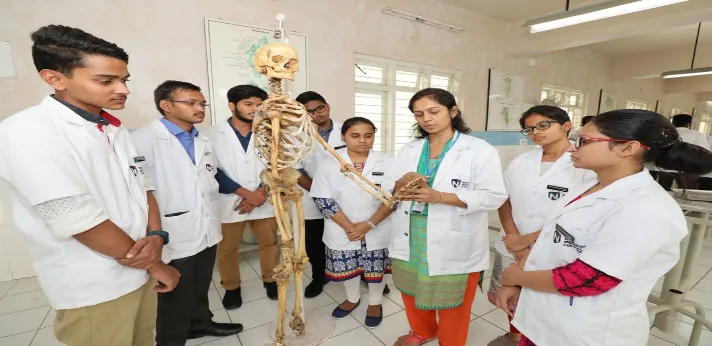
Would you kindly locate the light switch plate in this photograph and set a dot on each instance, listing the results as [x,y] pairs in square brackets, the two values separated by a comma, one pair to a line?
[522,142]
[7,64]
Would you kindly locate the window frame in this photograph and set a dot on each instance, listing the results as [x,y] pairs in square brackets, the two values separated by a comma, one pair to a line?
[575,119]
[390,89]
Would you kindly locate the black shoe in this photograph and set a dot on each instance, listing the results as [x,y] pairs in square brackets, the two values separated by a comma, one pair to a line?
[314,289]
[271,288]
[386,290]
[216,329]
[232,299]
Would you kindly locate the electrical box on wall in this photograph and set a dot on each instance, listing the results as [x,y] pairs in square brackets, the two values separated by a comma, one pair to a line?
[522,142]
[7,65]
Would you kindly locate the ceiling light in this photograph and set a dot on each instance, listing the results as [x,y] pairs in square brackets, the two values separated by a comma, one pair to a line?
[422,20]
[688,73]
[593,12]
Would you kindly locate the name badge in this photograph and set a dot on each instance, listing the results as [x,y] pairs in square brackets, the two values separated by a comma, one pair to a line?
[377,174]
[557,188]
[138,159]
[417,207]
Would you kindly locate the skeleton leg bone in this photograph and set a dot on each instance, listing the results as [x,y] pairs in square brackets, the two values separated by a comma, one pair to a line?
[300,259]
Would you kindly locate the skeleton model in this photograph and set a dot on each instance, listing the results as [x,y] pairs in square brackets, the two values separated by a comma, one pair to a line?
[284,135]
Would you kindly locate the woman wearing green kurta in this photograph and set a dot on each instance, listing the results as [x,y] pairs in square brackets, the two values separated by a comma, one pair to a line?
[440,241]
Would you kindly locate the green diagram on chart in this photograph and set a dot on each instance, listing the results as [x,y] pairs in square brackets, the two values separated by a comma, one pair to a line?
[257,80]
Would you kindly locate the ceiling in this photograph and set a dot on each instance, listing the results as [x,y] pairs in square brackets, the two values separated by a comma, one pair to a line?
[516,10]
[673,38]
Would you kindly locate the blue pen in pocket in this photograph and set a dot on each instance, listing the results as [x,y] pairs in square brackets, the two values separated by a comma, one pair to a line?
[571,301]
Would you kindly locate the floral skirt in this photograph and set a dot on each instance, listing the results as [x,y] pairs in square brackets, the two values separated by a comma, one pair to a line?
[343,265]
[500,263]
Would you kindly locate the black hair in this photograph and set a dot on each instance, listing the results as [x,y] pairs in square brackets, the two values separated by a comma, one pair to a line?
[586,119]
[552,112]
[61,48]
[444,98]
[355,121]
[166,89]
[308,96]
[651,129]
[244,92]
[682,120]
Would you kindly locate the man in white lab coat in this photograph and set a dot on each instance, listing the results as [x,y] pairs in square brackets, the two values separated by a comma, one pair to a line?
[79,195]
[242,199]
[181,163]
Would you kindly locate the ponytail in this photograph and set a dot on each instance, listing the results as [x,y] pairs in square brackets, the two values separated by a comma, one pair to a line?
[667,150]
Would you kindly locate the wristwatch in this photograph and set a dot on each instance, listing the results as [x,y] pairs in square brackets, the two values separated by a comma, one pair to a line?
[161,233]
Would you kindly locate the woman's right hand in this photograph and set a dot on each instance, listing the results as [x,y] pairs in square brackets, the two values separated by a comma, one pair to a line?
[515,242]
[504,295]
[405,179]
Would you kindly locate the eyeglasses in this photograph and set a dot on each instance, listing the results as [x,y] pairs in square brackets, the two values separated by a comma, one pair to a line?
[192,103]
[528,130]
[582,140]
[319,109]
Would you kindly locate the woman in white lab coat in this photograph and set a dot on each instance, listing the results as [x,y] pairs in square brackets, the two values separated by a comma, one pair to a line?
[355,233]
[605,245]
[440,240]
[535,181]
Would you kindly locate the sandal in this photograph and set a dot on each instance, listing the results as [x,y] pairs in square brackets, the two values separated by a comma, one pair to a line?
[412,339]
[374,321]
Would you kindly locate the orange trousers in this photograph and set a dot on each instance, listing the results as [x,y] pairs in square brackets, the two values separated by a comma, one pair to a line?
[454,323]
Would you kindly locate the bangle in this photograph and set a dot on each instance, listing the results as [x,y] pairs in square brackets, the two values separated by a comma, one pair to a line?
[441,198]
[370,223]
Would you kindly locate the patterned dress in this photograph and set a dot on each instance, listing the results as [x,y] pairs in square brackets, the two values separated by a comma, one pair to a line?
[343,265]
[413,278]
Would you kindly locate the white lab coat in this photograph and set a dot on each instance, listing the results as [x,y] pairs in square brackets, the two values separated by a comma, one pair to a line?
[242,167]
[357,204]
[533,195]
[630,230]
[187,193]
[458,239]
[310,165]
[47,153]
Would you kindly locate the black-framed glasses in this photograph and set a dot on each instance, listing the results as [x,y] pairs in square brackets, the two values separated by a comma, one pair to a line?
[582,140]
[192,103]
[318,109]
[541,126]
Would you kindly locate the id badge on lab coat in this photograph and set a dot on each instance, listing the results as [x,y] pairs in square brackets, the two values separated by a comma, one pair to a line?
[417,207]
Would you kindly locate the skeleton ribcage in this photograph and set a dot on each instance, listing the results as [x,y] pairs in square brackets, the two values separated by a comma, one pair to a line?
[296,133]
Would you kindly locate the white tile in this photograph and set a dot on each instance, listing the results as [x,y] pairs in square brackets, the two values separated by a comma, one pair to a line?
[499,318]
[482,305]
[45,337]
[25,285]
[343,325]
[704,285]
[705,261]
[246,274]
[5,272]
[389,308]
[228,341]
[5,286]
[396,296]
[23,339]
[12,240]
[21,265]
[356,337]
[22,301]
[392,328]
[655,341]
[23,321]
[681,335]
[49,320]
[482,332]
[214,300]
[256,336]
[255,313]
[700,270]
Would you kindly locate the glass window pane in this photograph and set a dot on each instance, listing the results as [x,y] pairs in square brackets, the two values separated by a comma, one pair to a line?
[368,74]
[407,79]
[441,82]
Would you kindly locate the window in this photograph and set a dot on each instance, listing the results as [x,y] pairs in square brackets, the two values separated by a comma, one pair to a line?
[676,111]
[635,104]
[383,89]
[570,100]
[705,124]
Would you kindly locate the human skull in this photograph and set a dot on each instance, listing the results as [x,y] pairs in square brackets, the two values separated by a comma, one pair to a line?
[277,60]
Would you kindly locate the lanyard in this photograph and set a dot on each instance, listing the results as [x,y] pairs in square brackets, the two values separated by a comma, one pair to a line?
[425,157]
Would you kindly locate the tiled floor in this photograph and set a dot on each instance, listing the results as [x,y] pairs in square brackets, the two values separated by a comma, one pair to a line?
[26,318]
